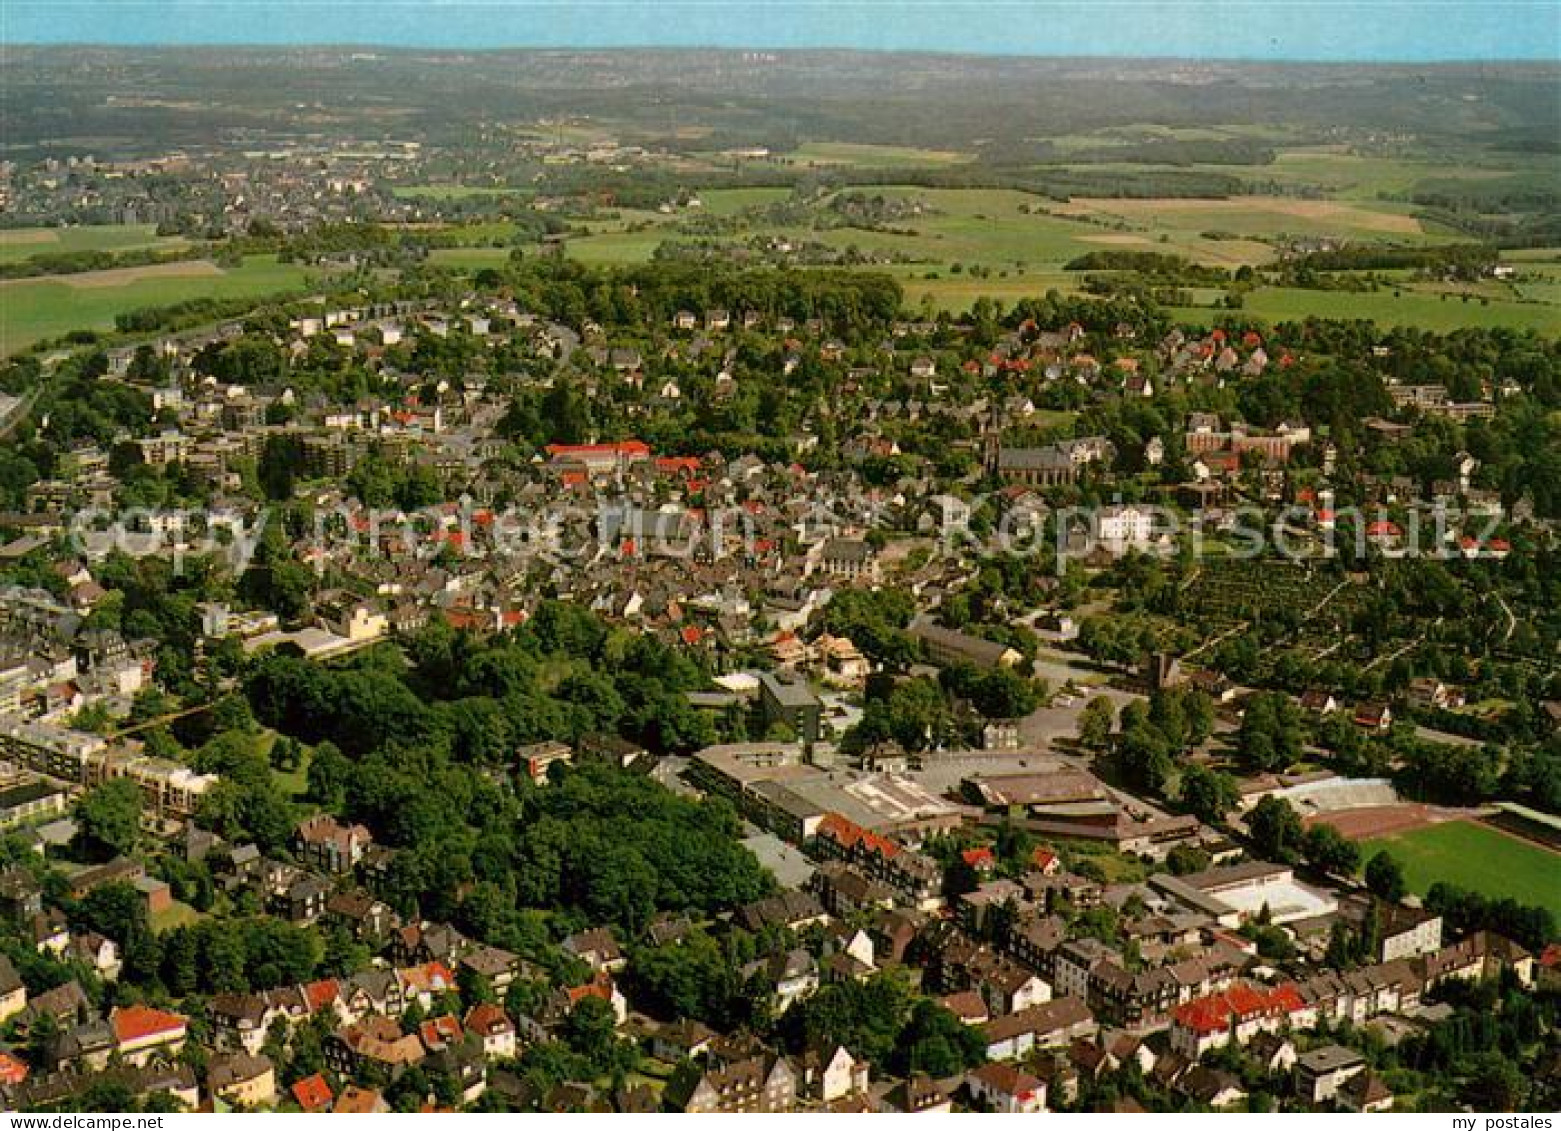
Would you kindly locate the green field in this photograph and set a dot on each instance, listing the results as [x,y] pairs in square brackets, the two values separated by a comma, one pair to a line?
[1476,857]
[1003,229]
[469,258]
[863,156]
[1409,308]
[17,244]
[458,192]
[35,309]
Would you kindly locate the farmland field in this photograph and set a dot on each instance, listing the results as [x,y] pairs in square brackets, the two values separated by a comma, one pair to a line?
[33,309]
[864,156]
[17,244]
[1008,229]
[458,192]
[1257,217]
[1476,857]
[1410,308]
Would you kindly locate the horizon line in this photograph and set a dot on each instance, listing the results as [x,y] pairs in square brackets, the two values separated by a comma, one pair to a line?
[731,49]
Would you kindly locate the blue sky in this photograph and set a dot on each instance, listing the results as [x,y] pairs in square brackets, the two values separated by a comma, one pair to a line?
[1408,30]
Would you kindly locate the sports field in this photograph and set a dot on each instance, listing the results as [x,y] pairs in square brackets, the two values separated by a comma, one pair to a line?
[1477,857]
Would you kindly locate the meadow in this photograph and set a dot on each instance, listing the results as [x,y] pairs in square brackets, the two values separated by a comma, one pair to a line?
[458,192]
[35,309]
[1476,857]
[17,244]
[1407,307]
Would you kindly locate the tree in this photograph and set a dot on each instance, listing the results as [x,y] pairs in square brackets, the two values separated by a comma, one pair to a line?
[690,978]
[1385,877]
[1275,829]
[1208,794]
[108,819]
[1270,736]
[590,1031]
[113,909]
[936,1042]
[1327,849]
[328,775]
[1145,756]
[1095,723]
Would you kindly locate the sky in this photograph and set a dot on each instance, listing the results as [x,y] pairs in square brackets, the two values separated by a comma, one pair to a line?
[1332,30]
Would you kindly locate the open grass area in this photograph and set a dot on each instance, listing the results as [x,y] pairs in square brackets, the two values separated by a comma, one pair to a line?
[23,243]
[1476,857]
[1008,230]
[1017,243]
[458,192]
[864,156]
[34,309]
[469,258]
[726,202]
[177,915]
[1257,217]
[1407,308]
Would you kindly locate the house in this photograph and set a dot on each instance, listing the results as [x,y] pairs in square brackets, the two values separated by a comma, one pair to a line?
[791,976]
[760,1083]
[360,1101]
[303,900]
[1233,1016]
[1274,1052]
[425,982]
[242,1080]
[792,910]
[597,949]
[1211,1087]
[375,1043]
[849,558]
[827,1077]
[322,842]
[141,1032]
[312,1094]
[94,951]
[367,918]
[1376,717]
[947,646]
[13,994]
[1004,1088]
[1406,932]
[843,664]
[919,1095]
[492,1026]
[1365,1092]
[1315,701]
[1321,1072]
[240,1019]
[685,1039]
[1052,1025]
[1432,694]
[13,1070]
[65,1005]
[499,968]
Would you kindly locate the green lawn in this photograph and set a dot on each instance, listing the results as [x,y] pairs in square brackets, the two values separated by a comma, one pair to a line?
[725,202]
[1476,857]
[33,309]
[177,915]
[23,243]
